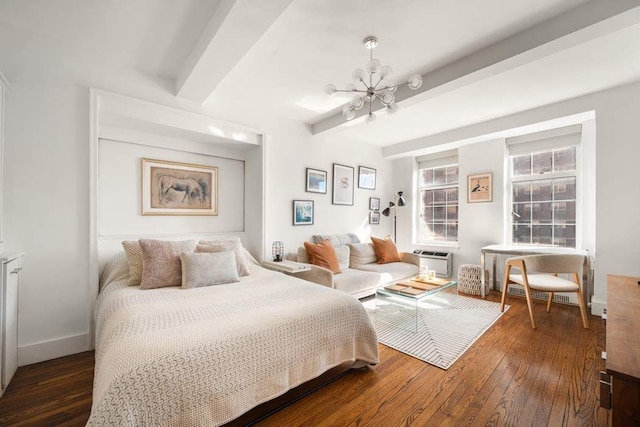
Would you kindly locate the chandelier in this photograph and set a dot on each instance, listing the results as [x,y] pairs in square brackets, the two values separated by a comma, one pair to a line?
[376,84]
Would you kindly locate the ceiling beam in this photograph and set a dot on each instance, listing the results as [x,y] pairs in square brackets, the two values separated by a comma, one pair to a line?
[576,26]
[235,27]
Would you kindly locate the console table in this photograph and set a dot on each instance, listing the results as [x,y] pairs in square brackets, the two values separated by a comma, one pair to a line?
[496,250]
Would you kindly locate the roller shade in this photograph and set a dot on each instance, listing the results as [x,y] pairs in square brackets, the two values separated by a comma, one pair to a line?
[435,160]
[546,140]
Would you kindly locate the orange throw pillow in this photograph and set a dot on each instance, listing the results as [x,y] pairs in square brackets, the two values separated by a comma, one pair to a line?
[386,250]
[323,255]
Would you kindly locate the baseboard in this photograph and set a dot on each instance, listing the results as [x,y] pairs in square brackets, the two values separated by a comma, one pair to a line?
[597,306]
[47,350]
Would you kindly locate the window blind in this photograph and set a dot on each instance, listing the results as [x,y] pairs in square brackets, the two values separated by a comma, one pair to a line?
[546,140]
[435,160]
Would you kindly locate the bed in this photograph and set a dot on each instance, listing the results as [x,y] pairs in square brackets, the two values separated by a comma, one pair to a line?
[205,356]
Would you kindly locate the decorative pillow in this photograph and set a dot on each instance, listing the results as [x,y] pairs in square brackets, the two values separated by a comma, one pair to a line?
[323,255]
[161,262]
[336,239]
[302,256]
[362,253]
[250,259]
[205,269]
[134,259]
[228,246]
[116,269]
[386,250]
[342,253]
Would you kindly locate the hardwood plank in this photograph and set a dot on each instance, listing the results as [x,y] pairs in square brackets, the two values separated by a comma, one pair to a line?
[513,375]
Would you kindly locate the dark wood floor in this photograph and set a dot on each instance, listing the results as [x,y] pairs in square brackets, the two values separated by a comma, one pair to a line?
[513,375]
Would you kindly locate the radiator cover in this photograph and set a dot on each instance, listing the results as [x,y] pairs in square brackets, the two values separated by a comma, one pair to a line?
[441,262]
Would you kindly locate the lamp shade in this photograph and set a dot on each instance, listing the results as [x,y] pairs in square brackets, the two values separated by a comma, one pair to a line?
[401,201]
[277,250]
[387,211]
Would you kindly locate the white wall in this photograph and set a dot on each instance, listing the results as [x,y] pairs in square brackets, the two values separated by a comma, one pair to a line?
[609,213]
[290,150]
[480,224]
[46,213]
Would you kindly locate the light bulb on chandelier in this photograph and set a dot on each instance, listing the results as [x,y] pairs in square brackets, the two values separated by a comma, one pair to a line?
[379,86]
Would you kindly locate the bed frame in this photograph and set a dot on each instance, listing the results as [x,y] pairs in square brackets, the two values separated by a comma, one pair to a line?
[266,409]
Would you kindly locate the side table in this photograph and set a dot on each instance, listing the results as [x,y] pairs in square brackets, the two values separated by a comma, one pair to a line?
[286,267]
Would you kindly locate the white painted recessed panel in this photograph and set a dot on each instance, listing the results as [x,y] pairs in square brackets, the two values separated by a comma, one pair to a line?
[120,186]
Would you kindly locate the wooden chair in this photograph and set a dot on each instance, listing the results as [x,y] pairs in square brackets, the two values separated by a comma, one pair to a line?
[540,272]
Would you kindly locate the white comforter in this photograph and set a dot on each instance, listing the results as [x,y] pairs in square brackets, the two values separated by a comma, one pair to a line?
[205,356]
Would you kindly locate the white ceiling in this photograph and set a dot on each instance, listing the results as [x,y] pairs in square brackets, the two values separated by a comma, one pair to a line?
[251,58]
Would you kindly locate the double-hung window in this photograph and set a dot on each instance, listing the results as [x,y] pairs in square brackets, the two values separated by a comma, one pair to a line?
[544,181]
[438,195]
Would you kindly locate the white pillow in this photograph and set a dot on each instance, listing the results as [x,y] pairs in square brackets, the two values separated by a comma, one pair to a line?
[233,246]
[206,269]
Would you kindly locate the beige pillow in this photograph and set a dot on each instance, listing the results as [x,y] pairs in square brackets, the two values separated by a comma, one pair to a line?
[134,259]
[161,265]
[205,269]
[362,253]
[302,255]
[342,252]
[233,246]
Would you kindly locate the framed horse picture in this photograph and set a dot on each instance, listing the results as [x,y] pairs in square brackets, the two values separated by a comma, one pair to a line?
[171,188]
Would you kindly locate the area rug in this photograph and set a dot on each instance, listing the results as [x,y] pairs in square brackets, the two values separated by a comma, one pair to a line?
[447,325]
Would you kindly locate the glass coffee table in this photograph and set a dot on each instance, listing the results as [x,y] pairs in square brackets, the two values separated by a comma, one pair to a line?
[397,304]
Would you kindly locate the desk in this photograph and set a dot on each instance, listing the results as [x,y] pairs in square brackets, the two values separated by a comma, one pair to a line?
[523,250]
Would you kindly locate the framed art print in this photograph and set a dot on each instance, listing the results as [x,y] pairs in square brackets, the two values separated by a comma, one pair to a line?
[374,204]
[366,178]
[303,212]
[479,188]
[342,185]
[316,181]
[374,218]
[172,188]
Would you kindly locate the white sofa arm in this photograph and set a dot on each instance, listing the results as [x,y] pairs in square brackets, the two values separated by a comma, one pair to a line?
[319,275]
[410,258]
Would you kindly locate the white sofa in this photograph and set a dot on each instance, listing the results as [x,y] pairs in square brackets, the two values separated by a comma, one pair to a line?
[361,274]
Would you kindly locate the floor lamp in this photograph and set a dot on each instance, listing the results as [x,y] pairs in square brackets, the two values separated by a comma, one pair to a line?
[393,206]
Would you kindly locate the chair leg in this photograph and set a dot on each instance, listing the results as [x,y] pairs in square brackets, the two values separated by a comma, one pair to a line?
[505,285]
[526,293]
[583,310]
[549,301]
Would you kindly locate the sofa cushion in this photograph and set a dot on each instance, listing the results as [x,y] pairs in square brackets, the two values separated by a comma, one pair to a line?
[323,255]
[354,281]
[386,250]
[361,253]
[336,239]
[302,255]
[391,271]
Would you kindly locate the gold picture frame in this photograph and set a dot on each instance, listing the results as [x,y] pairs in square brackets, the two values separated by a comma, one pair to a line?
[173,188]
[480,188]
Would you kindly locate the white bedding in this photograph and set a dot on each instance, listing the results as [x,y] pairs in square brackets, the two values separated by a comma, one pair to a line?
[205,356]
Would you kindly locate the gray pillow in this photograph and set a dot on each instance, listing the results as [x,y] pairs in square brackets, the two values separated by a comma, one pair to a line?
[208,268]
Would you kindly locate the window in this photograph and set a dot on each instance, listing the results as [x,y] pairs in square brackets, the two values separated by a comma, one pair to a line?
[543,192]
[438,215]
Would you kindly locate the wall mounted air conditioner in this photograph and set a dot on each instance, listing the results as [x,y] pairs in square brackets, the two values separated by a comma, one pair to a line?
[441,262]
